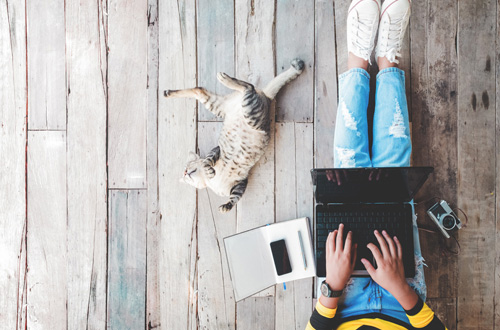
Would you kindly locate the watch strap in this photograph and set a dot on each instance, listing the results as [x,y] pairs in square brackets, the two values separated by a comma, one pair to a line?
[332,293]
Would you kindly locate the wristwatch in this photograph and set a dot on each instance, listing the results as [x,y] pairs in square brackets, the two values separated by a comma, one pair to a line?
[327,292]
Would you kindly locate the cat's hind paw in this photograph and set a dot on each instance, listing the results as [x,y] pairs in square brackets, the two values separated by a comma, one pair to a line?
[224,208]
[223,77]
[298,64]
[168,92]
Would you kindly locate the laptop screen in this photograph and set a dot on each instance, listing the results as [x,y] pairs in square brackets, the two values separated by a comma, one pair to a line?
[368,185]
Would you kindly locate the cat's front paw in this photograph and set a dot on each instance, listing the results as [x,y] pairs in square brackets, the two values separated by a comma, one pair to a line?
[224,208]
[209,172]
[208,169]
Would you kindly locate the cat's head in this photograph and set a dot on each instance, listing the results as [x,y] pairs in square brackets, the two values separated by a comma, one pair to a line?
[193,172]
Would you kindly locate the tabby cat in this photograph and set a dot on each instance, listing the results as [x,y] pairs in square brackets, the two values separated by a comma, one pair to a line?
[244,137]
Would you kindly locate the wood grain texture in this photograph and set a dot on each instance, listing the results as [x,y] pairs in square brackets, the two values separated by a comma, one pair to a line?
[434,85]
[325,84]
[340,12]
[215,46]
[294,199]
[13,98]
[127,101]
[176,137]
[254,41]
[216,305]
[256,311]
[153,223]
[445,309]
[127,260]
[255,64]
[476,170]
[295,39]
[47,231]
[86,164]
[46,63]
[497,183]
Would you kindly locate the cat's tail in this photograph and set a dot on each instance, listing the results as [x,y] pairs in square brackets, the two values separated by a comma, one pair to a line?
[284,78]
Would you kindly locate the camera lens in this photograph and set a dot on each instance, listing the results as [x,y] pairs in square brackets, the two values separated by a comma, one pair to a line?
[449,222]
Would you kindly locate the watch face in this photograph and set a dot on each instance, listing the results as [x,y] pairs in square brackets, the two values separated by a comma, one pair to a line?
[324,289]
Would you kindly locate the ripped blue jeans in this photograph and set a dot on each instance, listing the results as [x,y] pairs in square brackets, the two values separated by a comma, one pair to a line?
[391,147]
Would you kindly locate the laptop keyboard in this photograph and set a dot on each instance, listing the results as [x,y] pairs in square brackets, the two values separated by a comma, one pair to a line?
[362,220]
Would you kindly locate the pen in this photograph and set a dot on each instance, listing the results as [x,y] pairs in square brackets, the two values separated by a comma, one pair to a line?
[302,249]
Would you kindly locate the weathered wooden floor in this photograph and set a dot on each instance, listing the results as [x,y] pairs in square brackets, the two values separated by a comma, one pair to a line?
[97,232]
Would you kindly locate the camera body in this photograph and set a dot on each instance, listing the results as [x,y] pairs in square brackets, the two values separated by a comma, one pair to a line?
[444,217]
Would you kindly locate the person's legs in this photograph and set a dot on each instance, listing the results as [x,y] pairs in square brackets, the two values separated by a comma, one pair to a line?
[391,129]
[351,146]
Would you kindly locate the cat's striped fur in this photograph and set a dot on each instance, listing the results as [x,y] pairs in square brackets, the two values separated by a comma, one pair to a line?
[244,137]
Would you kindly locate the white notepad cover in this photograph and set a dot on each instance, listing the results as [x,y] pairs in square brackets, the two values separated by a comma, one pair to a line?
[251,262]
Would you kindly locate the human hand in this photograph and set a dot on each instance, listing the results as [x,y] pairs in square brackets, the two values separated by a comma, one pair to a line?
[336,176]
[340,258]
[390,272]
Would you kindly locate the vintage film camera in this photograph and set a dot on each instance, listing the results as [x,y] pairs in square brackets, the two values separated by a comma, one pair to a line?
[445,218]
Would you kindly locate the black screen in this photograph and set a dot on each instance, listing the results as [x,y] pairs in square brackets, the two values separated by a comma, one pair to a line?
[280,255]
[368,185]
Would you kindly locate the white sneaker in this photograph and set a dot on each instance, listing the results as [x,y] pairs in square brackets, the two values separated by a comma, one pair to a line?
[393,22]
[362,24]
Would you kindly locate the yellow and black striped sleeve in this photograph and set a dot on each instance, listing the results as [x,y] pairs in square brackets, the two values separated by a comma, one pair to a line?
[422,317]
[322,318]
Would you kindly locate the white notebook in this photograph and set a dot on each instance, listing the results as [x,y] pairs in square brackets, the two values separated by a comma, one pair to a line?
[251,262]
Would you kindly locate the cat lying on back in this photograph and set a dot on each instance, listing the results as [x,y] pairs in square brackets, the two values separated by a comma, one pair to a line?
[244,137]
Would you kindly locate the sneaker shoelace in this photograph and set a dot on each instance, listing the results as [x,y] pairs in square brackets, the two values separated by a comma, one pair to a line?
[391,34]
[363,40]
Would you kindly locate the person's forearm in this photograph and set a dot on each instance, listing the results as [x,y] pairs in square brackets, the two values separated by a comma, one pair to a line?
[329,302]
[406,297]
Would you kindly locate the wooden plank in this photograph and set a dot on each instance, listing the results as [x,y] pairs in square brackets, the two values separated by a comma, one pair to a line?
[434,103]
[255,64]
[177,201]
[216,305]
[127,260]
[294,199]
[46,63]
[497,228]
[153,225]
[215,45]
[446,310]
[127,102]
[12,168]
[254,42]
[86,164]
[405,64]
[295,39]
[340,12]
[476,166]
[256,313]
[325,84]
[47,235]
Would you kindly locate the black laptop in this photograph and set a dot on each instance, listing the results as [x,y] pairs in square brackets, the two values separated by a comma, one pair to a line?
[365,199]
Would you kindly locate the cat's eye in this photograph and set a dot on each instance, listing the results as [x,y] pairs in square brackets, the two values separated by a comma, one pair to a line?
[191,172]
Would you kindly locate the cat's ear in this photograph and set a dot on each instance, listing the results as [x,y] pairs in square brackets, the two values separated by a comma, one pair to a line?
[192,157]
